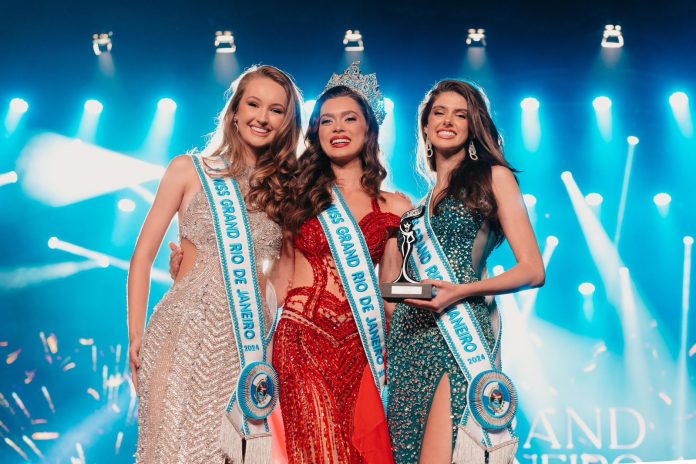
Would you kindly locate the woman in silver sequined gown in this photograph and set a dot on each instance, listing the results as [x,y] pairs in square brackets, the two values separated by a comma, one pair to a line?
[187,365]
[477,203]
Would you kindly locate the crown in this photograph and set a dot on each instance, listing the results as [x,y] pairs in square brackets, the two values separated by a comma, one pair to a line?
[365,84]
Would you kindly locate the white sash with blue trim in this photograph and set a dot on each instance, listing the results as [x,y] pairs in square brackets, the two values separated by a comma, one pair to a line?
[485,426]
[256,393]
[360,283]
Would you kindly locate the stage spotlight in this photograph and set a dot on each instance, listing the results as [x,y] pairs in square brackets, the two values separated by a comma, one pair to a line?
[19,106]
[60,171]
[8,178]
[530,104]
[662,199]
[20,278]
[586,289]
[612,37]
[126,205]
[101,43]
[307,108]
[678,99]
[224,42]
[167,105]
[633,140]
[159,136]
[602,106]
[104,260]
[566,176]
[688,240]
[498,269]
[679,102]
[476,37]
[93,106]
[531,126]
[87,131]
[388,105]
[16,111]
[602,103]
[353,41]
[529,200]
[594,199]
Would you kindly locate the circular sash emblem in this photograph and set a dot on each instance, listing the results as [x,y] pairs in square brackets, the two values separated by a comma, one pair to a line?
[492,399]
[257,390]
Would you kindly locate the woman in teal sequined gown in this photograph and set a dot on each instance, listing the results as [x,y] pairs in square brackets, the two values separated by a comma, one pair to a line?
[476,204]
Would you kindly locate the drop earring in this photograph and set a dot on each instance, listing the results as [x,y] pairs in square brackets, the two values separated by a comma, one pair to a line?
[472,151]
[428,147]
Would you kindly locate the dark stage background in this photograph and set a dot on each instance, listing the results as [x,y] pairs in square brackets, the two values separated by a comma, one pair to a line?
[603,355]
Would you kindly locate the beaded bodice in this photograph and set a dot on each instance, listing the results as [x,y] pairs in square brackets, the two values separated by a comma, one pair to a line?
[324,304]
[465,238]
[196,225]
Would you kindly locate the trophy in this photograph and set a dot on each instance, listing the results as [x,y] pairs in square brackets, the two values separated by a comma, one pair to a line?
[404,286]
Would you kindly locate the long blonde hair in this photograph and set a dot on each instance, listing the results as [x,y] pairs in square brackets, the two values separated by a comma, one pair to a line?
[275,167]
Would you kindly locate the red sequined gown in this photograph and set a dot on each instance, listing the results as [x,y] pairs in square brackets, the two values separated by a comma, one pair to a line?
[317,350]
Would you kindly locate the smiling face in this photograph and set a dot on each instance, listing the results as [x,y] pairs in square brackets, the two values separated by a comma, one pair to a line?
[448,123]
[342,129]
[261,112]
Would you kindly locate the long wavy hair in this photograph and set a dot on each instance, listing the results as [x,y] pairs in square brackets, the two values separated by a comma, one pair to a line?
[471,181]
[311,188]
[277,165]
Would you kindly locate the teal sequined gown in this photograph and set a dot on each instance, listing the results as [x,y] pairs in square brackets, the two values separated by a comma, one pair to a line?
[418,356]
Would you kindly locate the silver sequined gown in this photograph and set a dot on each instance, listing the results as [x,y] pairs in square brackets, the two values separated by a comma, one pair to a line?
[189,361]
[418,354]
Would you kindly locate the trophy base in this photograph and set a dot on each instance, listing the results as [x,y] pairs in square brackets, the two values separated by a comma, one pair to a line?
[399,291]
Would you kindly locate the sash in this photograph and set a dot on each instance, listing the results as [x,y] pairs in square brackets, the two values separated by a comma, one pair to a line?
[360,283]
[256,393]
[491,397]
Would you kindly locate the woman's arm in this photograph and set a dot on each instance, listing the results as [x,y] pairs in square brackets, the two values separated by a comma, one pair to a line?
[390,265]
[167,202]
[529,271]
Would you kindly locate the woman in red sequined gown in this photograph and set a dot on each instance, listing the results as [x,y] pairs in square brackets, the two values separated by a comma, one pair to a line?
[317,349]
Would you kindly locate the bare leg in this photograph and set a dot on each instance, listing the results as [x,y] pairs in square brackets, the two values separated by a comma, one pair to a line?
[437,439]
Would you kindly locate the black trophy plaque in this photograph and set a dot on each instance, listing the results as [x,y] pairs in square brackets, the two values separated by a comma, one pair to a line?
[404,286]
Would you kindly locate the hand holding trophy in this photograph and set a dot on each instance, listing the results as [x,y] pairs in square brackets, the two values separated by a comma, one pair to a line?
[404,286]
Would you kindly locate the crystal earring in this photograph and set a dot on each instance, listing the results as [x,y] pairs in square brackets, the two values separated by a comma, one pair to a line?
[428,148]
[472,151]
[235,125]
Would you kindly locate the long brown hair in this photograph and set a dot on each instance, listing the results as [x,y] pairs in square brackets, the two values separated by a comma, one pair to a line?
[471,181]
[312,186]
[276,166]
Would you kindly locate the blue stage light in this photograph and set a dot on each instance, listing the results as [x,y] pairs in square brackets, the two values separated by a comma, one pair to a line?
[166,104]
[679,102]
[633,140]
[126,205]
[93,106]
[602,103]
[529,200]
[8,178]
[662,199]
[586,289]
[530,104]
[678,99]
[594,199]
[388,105]
[18,105]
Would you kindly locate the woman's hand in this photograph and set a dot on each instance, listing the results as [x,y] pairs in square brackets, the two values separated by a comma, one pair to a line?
[134,355]
[446,295]
[175,259]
